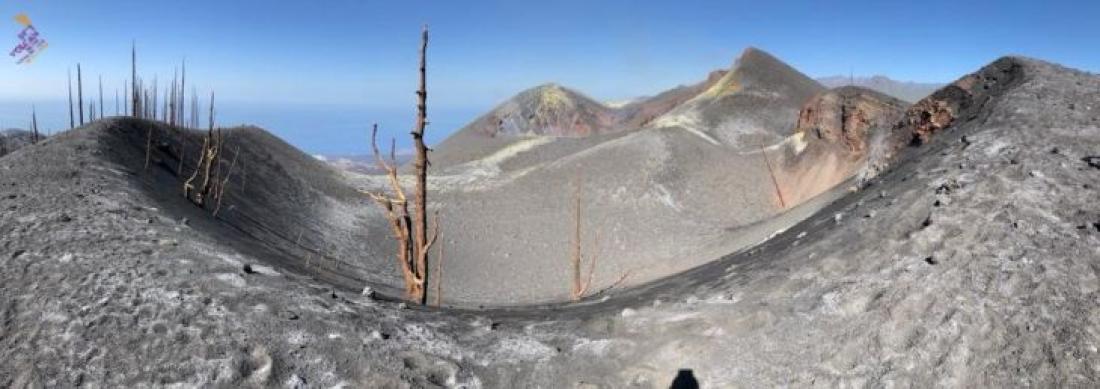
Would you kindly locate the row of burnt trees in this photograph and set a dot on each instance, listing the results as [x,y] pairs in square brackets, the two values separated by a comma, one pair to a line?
[145,101]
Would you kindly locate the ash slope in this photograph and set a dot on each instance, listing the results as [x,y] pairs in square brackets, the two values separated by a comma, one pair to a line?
[657,200]
[969,263]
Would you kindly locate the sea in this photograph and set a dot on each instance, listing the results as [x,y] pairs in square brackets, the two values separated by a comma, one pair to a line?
[317,129]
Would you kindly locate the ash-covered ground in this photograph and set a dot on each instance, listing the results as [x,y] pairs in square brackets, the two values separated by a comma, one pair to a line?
[972,260]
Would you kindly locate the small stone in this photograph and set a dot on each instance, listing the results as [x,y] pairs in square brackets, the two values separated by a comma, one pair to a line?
[65,218]
[295,381]
[248,270]
[627,312]
[367,292]
[838,217]
[17,253]
[930,260]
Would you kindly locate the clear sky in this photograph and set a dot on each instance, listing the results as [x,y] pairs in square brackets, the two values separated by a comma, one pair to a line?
[359,56]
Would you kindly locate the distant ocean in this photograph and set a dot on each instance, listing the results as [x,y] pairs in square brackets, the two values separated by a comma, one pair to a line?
[314,128]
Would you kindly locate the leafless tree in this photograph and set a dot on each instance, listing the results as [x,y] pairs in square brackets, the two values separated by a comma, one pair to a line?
[410,230]
[34,126]
[581,281]
[72,121]
[80,94]
[771,173]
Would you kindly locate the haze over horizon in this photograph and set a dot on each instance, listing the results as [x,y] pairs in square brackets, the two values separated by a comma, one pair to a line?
[358,58]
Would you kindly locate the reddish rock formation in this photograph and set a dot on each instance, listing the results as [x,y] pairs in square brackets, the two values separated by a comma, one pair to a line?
[958,100]
[845,115]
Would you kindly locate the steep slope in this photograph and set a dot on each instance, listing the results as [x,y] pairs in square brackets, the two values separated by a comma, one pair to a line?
[756,102]
[845,116]
[833,136]
[279,200]
[904,90]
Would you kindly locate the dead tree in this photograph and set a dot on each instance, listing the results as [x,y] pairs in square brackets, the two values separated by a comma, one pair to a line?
[101,96]
[80,94]
[134,100]
[410,230]
[72,121]
[775,182]
[209,157]
[219,191]
[439,275]
[581,282]
[182,93]
[148,146]
[34,126]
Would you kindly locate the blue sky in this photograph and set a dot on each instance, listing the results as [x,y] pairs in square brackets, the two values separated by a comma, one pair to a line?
[359,56]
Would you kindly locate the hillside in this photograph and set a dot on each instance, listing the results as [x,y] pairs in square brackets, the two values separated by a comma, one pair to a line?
[755,103]
[970,261]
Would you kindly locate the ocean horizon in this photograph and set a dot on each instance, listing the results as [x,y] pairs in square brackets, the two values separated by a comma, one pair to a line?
[317,129]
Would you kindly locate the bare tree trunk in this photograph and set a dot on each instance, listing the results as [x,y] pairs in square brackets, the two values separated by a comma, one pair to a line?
[134,103]
[80,94]
[182,92]
[420,218]
[34,125]
[439,276]
[581,284]
[771,173]
[153,100]
[410,231]
[72,121]
[101,96]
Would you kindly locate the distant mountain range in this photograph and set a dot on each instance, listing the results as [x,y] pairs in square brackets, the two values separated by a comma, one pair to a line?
[905,90]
